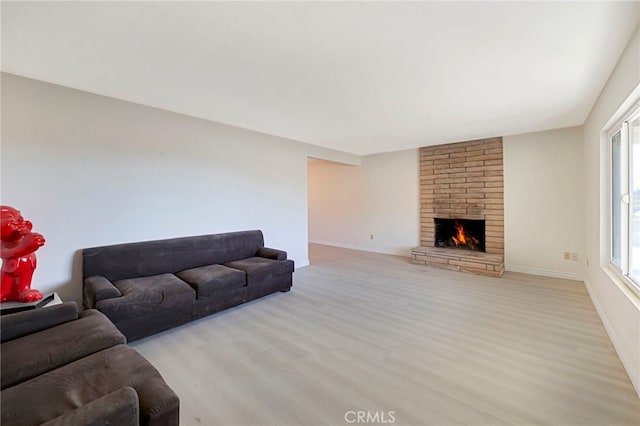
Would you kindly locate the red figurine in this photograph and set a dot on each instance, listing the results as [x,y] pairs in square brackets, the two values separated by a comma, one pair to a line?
[18,257]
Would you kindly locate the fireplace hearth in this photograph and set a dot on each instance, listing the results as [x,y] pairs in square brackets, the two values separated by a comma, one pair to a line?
[463,234]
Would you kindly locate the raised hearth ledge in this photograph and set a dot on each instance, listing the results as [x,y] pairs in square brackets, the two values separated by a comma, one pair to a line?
[473,262]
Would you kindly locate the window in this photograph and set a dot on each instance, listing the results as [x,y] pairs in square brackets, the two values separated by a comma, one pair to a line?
[625,197]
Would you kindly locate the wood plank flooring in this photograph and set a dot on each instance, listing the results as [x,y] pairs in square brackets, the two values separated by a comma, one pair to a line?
[421,346]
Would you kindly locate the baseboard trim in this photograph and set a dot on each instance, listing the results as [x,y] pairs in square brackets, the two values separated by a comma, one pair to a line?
[371,250]
[544,272]
[634,375]
[301,264]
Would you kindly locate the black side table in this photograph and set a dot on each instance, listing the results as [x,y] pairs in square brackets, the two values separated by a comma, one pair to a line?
[49,299]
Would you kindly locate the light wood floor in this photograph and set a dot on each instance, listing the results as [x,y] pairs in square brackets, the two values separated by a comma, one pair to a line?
[369,332]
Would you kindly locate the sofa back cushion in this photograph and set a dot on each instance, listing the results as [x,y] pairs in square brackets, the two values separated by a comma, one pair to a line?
[148,258]
[20,324]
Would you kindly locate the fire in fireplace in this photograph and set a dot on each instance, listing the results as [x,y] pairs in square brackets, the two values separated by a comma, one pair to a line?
[465,234]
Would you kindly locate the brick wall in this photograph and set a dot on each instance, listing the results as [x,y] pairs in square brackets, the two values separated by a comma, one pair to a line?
[463,180]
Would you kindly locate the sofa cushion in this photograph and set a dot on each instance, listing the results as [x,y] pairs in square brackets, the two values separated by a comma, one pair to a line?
[34,354]
[210,279]
[74,385]
[118,408]
[259,269]
[141,296]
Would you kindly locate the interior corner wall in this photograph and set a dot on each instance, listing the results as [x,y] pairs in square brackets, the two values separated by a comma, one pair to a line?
[544,206]
[617,305]
[348,205]
[88,170]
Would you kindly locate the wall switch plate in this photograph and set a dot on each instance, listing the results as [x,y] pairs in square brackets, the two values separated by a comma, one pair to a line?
[371,237]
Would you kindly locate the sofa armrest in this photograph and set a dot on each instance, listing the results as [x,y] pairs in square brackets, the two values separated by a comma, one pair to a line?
[23,323]
[98,288]
[120,408]
[271,253]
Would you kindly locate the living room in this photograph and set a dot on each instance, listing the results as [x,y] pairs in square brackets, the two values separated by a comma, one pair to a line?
[98,150]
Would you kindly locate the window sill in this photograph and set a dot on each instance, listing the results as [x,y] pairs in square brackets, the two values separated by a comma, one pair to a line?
[627,286]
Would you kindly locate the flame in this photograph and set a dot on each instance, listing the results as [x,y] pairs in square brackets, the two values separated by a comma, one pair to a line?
[462,239]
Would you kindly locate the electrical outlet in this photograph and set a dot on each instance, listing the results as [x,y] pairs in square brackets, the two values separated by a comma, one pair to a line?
[574,257]
[567,255]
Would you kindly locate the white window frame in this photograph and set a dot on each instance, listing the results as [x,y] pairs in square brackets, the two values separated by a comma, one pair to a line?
[627,115]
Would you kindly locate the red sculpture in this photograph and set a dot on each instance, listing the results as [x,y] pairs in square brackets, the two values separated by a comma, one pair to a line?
[18,257]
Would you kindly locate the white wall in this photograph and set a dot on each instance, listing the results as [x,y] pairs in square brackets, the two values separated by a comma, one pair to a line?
[544,208]
[618,307]
[89,170]
[347,203]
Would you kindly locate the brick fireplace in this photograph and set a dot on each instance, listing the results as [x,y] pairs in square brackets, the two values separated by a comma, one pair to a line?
[461,184]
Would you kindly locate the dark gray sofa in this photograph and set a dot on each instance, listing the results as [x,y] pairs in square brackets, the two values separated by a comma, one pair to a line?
[147,287]
[61,367]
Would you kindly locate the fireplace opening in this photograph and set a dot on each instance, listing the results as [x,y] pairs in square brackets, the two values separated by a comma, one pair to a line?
[465,234]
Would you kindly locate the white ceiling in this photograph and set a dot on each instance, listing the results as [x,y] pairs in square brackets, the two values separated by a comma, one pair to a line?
[360,77]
